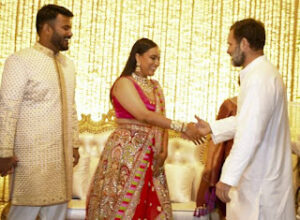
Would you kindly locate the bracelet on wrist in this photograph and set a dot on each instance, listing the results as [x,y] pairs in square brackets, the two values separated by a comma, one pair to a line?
[178,126]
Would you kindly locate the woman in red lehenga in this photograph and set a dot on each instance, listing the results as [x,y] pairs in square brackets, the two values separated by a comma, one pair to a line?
[129,182]
[207,200]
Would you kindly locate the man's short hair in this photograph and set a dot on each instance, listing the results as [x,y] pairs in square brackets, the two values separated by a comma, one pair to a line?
[48,13]
[252,30]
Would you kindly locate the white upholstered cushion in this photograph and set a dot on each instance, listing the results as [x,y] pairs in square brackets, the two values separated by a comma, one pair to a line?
[180,178]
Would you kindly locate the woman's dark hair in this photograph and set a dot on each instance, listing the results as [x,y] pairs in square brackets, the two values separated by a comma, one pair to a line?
[140,46]
[252,30]
[48,13]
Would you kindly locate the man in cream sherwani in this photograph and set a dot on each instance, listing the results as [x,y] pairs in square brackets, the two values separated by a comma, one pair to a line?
[258,170]
[38,121]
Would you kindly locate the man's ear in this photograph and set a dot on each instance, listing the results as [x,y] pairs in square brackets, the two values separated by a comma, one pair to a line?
[244,44]
[47,28]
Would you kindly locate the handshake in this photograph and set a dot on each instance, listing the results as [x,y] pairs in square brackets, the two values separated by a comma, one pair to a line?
[196,132]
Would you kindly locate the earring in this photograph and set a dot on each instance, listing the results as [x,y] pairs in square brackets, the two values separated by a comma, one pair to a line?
[138,68]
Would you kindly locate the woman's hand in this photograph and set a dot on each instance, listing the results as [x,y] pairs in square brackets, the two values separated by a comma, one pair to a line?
[159,161]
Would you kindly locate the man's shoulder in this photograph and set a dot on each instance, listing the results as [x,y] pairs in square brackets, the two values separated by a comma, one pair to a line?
[265,71]
[20,56]
[264,76]
[25,52]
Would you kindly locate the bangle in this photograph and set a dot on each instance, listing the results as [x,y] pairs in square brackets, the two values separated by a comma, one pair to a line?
[178,126]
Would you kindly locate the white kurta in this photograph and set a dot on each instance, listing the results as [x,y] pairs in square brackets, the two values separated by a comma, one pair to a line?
[31,125]
[259,165]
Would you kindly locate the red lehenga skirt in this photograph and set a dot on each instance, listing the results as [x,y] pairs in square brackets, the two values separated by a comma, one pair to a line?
[123,186]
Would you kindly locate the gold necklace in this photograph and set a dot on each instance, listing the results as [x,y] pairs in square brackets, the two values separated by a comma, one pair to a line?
[143,82]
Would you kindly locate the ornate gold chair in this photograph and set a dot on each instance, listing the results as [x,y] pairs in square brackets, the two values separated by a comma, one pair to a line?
[4,196]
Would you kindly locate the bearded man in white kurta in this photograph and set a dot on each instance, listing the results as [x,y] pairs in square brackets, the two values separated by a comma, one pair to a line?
[258,170]
[38,121]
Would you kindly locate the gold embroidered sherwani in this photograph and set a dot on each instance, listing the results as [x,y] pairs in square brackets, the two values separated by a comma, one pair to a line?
[36,106]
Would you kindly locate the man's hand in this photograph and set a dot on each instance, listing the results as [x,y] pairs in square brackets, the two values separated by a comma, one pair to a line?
[7,165]
[203,126]
[76,156]
[222,190]
[193,133]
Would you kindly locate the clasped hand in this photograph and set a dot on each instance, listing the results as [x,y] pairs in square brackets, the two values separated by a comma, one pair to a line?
[196,132]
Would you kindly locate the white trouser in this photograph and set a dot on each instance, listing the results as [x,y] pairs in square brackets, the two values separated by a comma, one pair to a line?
[51,212]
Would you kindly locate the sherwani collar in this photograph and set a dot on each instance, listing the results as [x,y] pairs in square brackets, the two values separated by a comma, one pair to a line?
[250,66]
[46,50]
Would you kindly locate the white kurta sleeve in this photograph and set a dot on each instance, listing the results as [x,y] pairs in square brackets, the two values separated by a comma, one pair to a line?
[223,130]
[257,100]
[14,80]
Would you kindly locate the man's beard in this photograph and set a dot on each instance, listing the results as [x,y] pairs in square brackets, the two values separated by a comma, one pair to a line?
[238,57]
[58,42]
